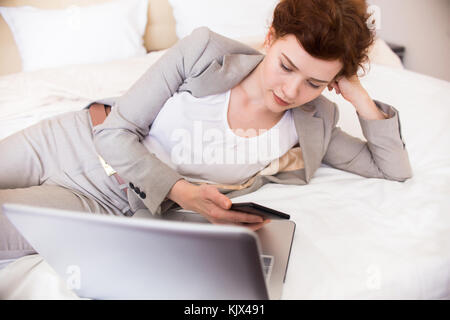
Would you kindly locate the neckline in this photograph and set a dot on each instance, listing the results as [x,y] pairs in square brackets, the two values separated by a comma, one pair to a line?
[230,132]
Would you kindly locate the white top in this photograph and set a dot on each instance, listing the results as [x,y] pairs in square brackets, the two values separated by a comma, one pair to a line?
[192,136]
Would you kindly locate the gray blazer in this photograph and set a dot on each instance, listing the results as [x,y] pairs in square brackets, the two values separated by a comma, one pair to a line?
[206,63]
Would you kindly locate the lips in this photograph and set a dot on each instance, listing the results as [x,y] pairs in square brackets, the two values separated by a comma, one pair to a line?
[280,101]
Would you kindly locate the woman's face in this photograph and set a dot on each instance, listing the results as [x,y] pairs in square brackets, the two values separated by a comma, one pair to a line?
[291,74]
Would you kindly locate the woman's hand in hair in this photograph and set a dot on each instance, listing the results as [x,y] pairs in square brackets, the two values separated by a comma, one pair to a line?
[352,90]
[212,204]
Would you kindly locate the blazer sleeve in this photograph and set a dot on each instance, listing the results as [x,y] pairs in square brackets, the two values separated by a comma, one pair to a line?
[118,138]
[384,155]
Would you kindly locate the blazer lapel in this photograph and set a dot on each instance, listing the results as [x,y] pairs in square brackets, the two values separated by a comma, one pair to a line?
[218,78]
[310,135]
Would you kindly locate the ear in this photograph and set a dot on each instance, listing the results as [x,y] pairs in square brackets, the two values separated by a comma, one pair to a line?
[270,37]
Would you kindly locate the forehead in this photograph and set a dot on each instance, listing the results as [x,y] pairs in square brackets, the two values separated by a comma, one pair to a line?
[307,64]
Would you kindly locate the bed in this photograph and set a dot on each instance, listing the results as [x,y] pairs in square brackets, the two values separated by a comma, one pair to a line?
[356,238]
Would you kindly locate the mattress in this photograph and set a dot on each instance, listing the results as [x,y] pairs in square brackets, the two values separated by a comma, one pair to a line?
[356,238]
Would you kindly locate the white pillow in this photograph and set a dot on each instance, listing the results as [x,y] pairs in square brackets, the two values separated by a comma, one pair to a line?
[78,35]
[380,53]
[231,18]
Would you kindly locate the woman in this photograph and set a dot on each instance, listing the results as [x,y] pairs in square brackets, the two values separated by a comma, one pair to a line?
[212,81]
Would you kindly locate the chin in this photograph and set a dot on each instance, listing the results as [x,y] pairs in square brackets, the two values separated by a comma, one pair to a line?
[274,107]
[277,108]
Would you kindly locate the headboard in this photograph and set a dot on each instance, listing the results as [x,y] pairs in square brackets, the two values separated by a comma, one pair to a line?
[160,32]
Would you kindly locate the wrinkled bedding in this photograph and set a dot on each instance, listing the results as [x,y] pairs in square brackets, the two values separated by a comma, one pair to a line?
[356,238]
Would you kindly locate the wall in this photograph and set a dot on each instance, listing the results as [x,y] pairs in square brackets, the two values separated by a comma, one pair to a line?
[423,27]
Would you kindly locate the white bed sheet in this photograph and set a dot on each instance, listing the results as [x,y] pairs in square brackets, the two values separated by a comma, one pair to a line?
[356,238]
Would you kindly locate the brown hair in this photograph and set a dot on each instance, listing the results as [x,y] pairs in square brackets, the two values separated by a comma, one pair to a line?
[327,29]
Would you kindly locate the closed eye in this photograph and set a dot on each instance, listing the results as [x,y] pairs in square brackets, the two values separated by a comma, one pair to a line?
[284,67]
[313,85]
[289,70]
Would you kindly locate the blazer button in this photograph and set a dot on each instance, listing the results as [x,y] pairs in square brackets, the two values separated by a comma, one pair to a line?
[142,195]
[137,190]
[131,185]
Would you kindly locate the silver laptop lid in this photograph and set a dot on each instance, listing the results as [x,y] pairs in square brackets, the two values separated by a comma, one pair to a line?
[109,257]
[275,238]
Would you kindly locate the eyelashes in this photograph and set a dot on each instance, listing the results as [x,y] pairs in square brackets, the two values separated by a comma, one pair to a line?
[289,70]
[284,67]
[313,85]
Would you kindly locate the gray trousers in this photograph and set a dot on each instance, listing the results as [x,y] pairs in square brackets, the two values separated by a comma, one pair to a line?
[54,164]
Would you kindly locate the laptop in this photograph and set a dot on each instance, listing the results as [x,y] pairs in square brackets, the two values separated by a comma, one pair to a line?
[180,256]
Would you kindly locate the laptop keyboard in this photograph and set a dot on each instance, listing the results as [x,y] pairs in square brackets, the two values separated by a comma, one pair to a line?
[267,263]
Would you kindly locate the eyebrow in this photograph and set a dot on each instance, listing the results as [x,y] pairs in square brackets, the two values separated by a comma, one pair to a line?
[295,67]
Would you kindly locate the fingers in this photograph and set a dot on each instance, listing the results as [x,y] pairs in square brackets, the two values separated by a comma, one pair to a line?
[335,86]
[251,226]
[219,208]
[257,226]
[211,193]
[235,216]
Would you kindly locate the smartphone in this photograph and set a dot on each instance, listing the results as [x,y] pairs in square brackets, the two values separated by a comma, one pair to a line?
[257,209]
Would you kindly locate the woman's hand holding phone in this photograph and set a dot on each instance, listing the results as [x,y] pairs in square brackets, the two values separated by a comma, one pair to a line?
[212,204]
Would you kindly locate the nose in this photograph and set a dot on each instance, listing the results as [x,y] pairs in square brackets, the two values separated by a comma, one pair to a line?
[291,89]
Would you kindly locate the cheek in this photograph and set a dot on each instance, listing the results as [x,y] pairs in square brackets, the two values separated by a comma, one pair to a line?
[272,76]
[308,94]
